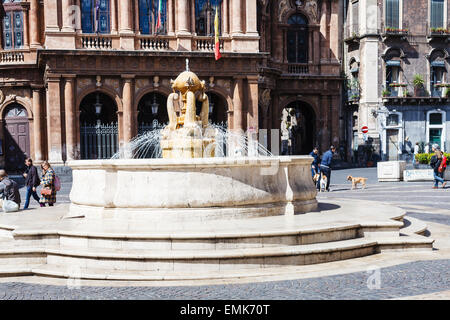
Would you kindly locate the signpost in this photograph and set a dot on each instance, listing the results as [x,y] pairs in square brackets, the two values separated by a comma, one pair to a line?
[365,130]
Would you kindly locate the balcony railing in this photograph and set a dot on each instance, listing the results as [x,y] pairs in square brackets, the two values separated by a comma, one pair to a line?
[207,44]
[96,42]
[391,32]
[298,68]
[12,57]
[438,33]
[153,43]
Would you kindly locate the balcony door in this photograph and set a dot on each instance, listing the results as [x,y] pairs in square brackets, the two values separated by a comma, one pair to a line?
[297,39]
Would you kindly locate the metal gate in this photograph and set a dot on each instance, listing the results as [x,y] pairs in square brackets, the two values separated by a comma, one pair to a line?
[99,141]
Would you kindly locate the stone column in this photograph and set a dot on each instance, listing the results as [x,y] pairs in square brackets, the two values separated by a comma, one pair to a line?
[236,14]
[125,16]
[325,128]
[34,23]
[128,114]
[170,29]
[37,123]
[237,104]
[54,137]
[335,112]
[334,31]
[323,31]
[225,17]
[26,30]
[251,15]
[252,103]
[51,16]
[181,15]
[114,27]
[67,17]
[69,104]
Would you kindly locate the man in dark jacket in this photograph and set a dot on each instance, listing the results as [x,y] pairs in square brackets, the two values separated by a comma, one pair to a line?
[316,161]
[32,181]
[9,189]
[325,165]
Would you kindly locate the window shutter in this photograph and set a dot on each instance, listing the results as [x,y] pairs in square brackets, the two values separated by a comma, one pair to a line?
[437,14]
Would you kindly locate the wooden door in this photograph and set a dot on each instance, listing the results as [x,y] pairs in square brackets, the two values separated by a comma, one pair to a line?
[17,139]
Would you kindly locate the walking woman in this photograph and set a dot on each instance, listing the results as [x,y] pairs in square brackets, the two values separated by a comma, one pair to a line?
[48,190]
[438,163]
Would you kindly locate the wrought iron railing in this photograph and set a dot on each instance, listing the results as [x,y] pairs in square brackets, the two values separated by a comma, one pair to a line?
[99,141]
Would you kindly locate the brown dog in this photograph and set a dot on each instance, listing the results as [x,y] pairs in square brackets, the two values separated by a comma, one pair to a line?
[355,182]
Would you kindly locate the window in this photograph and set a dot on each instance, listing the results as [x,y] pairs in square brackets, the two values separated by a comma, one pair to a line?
[205,13]
[437,77]
[437,14]
[149,12]
[297,39]
[392,120]
[95,16]
[392,14]
[392,77]
[436,127]
[436,118]
[12,23]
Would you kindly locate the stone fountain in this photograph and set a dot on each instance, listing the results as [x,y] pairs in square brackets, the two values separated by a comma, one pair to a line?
[189,182]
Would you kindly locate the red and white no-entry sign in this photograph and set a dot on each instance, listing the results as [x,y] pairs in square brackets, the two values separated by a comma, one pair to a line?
[364,129]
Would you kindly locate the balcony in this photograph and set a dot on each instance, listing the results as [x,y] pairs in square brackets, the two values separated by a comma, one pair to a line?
[438,34]
[298,68]
[207,44]
[96,42]
[394,33]
[351,34]
[153,43]
[12,57]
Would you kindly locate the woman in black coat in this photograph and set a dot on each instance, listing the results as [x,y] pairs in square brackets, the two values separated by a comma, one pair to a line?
[32,181]
[435,163]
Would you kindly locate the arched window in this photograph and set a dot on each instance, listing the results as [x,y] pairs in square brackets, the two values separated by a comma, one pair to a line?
[95,16]
[297,39]
[12,23]
[152,16]
[205,13]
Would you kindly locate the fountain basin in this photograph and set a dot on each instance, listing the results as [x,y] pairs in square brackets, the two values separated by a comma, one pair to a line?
[192,189]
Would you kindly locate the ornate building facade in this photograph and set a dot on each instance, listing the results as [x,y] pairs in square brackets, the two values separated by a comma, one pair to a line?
[390,47]
[80,78]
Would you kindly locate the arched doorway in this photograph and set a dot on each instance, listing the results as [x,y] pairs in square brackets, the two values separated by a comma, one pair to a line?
[300,119]
[17,138]
[152,112]
[99,128]
[218,108]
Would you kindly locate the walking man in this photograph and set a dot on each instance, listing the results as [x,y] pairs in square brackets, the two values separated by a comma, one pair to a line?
[32,181]
[325,166]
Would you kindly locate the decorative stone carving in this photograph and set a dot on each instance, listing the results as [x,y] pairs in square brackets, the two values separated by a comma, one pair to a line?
[113,83]
[312,10]
[211,82]
[141,83]
[2,97]
[156,81]
[98,81]
[265,99]
[283,7]
[83,82]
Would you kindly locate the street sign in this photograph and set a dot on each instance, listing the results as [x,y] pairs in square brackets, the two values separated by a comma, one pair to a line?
[364,129]
[365,137]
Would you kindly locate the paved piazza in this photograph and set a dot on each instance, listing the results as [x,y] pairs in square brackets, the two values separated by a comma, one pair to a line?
[390,275]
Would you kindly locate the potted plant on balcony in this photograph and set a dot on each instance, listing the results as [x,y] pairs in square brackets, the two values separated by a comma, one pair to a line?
[418,84]
[447,92]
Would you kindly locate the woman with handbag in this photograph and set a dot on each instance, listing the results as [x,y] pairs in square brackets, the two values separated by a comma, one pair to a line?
[438,163]
[48,190]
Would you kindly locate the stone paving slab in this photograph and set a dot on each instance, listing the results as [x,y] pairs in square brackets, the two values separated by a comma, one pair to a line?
[411,279]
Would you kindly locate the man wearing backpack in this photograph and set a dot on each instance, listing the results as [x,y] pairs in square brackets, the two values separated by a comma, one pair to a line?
[9,189]
[32,181]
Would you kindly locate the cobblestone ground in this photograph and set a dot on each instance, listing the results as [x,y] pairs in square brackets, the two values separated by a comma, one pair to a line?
[416,278]
[411,279]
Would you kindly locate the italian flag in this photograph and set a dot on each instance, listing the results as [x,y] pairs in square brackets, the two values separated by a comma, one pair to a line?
[159,22]
[216,32]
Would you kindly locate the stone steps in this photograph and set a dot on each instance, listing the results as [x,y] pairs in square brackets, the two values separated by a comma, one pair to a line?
[413,226]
